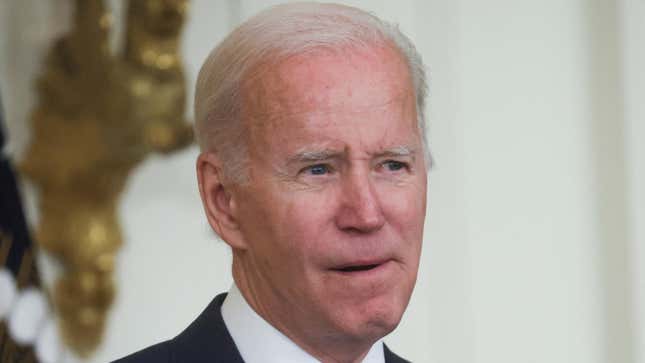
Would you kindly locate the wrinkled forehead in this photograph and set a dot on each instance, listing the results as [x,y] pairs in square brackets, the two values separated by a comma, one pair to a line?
[324,81]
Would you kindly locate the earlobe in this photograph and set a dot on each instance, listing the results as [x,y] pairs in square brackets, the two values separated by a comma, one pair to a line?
[219,204]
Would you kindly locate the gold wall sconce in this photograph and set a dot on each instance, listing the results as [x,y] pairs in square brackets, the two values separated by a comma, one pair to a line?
[99,113]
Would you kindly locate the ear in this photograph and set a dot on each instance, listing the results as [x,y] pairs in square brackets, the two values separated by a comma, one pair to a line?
[217,199]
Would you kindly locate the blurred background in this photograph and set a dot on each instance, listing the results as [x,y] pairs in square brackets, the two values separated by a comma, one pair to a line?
[535,236]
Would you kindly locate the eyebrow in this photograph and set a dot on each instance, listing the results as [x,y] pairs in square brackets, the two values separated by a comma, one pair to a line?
[397,151]
[308,156]
[314,155]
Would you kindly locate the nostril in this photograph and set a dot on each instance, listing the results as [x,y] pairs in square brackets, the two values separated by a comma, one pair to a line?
[356,224]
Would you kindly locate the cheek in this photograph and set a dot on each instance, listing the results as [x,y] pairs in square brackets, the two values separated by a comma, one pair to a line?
[404,207]
[298,244]
[307,220]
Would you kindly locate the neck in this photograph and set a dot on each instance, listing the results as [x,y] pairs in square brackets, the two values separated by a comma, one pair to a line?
[326,346]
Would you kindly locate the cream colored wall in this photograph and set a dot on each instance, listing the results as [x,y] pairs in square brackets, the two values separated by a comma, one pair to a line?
[633,77]
[527,117]
[533,246]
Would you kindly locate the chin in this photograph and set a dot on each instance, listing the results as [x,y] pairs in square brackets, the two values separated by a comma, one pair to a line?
[378,329]
[375,320]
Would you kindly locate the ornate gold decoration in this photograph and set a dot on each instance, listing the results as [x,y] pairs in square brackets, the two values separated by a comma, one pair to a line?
[99,114]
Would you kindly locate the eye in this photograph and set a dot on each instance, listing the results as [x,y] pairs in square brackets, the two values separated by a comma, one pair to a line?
[318,169]
[393,165]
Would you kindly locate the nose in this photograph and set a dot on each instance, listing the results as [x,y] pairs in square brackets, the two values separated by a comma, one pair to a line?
[359,210]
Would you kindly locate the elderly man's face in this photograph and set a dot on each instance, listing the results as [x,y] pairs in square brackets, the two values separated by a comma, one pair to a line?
[332,217]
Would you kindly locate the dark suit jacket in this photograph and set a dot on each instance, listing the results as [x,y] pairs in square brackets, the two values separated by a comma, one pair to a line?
[206,340]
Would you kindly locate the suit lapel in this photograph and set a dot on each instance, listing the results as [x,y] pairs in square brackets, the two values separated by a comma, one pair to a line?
[207,340]
[391,357]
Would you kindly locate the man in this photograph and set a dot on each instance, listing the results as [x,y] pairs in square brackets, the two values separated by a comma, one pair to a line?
[313,170]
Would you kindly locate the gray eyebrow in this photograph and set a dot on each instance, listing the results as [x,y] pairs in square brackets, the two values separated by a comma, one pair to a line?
[326,154]
[314,155]
[397,151]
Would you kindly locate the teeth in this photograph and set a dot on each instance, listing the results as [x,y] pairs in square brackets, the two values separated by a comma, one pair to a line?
[357,268]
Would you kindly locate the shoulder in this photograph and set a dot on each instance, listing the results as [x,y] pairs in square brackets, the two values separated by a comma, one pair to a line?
[157,353]
[206,340]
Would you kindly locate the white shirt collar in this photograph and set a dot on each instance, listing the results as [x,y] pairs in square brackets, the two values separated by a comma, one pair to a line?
[266,344]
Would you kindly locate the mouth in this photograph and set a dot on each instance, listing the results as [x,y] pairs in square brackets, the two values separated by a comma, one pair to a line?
[357,267]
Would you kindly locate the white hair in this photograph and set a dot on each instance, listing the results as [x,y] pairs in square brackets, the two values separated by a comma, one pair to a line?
[273,35]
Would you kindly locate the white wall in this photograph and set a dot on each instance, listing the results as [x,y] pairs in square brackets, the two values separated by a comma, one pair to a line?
[633,76]
[533,247]
[525,118]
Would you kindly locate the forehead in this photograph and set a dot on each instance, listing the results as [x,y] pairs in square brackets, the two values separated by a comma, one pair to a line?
[324,90]
[308,81]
